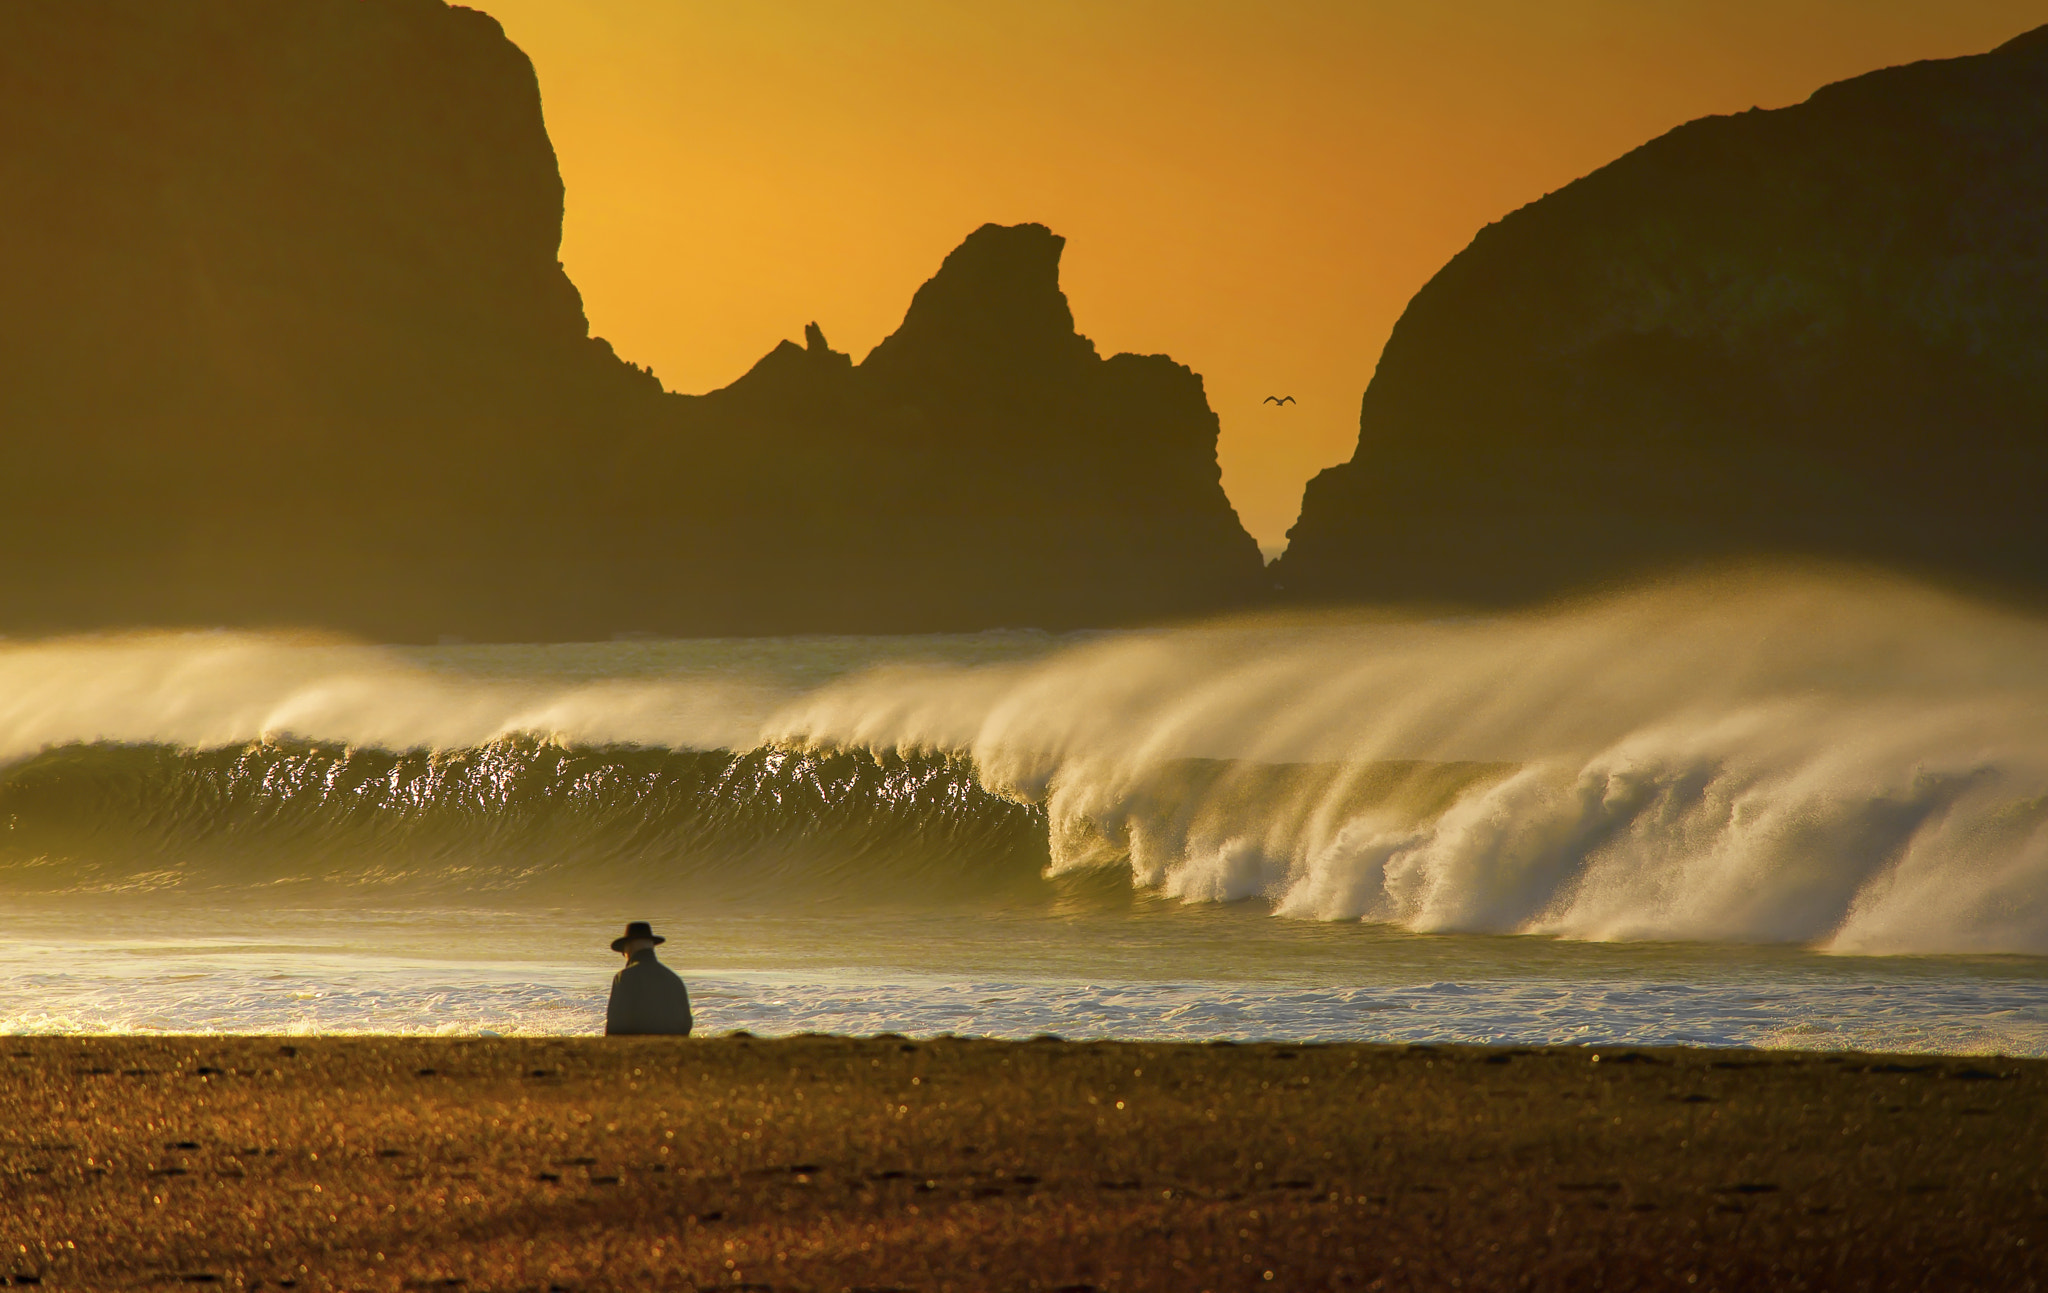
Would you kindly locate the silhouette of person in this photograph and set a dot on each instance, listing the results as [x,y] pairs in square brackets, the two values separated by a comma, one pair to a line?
[647,997]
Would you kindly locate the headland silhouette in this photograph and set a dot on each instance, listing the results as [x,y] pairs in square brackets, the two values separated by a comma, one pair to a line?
[1816,331]
[287,343]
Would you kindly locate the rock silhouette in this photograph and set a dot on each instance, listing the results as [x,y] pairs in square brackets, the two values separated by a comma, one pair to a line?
[981,466]
[1820,330]
[284,339]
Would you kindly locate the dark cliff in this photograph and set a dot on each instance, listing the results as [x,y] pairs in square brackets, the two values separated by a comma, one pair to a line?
[1820,330]
[284,340]
[283,336]
[983,465]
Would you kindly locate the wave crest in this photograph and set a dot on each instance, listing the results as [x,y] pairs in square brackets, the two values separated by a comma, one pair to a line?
[1837,760]
[1844,761]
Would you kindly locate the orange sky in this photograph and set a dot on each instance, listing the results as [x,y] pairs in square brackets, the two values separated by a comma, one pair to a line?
[1253,188]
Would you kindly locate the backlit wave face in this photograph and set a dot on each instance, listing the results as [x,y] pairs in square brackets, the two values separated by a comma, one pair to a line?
[1850,763]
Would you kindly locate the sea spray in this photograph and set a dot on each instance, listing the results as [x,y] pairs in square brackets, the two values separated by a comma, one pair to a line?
[1823,758]
[210,690]
[1827,758]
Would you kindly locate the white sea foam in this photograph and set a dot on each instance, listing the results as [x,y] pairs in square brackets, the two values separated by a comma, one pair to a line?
[1842,761]
[1835,760]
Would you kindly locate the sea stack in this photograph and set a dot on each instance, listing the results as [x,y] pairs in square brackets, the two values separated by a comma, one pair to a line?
[981,466]
[1820,331]
[284,340]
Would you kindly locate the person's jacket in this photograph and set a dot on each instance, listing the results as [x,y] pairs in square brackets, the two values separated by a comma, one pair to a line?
[647,997]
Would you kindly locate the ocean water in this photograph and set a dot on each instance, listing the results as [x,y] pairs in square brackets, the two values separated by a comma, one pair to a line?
[1784,809]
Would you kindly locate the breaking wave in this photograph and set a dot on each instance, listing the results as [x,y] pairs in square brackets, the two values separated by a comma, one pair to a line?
[1824,758]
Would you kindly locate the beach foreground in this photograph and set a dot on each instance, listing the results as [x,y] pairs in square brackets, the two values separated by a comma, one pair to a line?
[834,1163]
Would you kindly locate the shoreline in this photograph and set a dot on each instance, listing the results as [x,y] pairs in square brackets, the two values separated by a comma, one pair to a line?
[832,1163]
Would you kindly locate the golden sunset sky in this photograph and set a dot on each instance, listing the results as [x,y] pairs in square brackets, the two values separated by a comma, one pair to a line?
[1253,188]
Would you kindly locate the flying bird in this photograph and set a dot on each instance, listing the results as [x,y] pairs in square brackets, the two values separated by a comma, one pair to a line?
[1278,399]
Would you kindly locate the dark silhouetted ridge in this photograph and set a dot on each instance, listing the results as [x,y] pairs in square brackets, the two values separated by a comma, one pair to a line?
[284,339]
[982,466]
[1821,330]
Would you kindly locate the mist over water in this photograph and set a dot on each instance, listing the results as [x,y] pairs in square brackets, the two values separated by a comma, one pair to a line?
[1845,762]
[1821,760]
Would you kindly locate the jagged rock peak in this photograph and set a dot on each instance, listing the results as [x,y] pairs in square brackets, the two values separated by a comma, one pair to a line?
[995,300]
[814,338]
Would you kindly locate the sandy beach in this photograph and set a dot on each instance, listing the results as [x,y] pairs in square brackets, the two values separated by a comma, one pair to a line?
[832,1164]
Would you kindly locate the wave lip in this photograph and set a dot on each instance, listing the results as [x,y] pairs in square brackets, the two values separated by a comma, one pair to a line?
[1834,759]
[1824,758]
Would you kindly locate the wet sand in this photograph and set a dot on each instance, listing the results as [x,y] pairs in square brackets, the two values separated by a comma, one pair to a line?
[833,1164]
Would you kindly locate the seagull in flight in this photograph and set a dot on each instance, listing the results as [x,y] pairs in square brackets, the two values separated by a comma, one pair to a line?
[1278,399]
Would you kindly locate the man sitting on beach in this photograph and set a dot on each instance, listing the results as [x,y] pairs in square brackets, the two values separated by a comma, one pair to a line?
[647,997]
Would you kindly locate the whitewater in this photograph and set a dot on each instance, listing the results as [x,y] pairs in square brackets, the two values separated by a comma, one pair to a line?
[1783,808]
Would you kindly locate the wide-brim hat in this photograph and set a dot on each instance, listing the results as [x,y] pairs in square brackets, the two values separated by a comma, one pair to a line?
[636,929]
